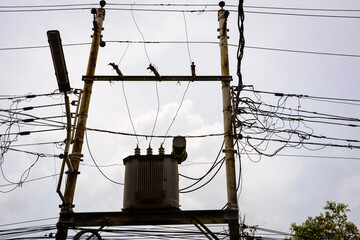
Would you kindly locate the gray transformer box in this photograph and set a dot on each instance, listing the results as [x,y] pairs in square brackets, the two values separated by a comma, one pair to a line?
[151,182]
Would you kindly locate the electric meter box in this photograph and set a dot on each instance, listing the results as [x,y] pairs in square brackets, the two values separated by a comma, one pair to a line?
[151,182]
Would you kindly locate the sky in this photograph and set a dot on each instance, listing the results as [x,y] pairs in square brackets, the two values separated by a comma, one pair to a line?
[276,191]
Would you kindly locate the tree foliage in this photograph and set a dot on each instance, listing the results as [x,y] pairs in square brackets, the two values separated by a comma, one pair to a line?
[333,224]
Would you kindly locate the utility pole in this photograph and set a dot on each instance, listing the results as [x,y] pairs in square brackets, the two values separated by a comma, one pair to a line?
[230,215]
[227,114]
[75,156]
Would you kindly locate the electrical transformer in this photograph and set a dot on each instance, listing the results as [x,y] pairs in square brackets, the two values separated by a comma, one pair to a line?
[152,181]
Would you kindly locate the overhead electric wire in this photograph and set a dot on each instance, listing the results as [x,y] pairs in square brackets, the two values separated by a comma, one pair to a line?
[199,179]
[177,112]
[182,5]
[157,111]
[29,221]
[300,119]
[303,9]
[129,114]
[155,136]
[311,112]
[188,42]
[28,108]
[177,10]
[93,159]
[29,96]
[306,143]
[278,94]
[22,179]
[37,144]
[32,152]
[24,133]
[31,180]
[142,35]
[315,115]
[302,14]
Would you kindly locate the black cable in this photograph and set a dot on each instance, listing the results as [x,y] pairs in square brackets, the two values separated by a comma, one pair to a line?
[29,221]
[38,144]
[177,112]
[155,136]
[25,133]
[204,184]
[92,157]
[157,111]
[311,156]
[23,177]
[189,42]
[198,180]
[32,152]
[129,114]
[303,14]
[307,143]
[31,180]
[182,5]
[30,96]
[278,94]
[176,11]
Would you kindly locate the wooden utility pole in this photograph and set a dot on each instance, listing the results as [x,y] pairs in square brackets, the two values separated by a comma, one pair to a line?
[232,203]
[75,156]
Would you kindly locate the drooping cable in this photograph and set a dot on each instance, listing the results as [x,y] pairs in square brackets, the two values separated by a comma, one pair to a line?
[216,164]
[187,37]
[153,68]
[177,112]
[157,111]
[128,111]
[97,166]
[142,35]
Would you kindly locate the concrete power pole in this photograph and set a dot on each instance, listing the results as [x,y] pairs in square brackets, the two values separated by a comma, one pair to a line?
[227,114]
[75,156]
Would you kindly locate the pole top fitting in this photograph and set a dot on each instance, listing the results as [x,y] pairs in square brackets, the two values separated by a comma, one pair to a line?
[221,4]
[102,3]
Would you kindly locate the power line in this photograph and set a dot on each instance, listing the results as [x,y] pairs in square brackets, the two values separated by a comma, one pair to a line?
[301,14]
[182,5]
[303,9]
[32,153]
[38,144]
[278,94]
[29,96]
[92,157]
[177,111]
[180,10]
[302,51]
[155,136]
[29,221]
[188,42]
[305,143]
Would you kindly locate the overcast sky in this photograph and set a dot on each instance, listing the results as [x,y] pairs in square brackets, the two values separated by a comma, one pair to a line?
[275,192]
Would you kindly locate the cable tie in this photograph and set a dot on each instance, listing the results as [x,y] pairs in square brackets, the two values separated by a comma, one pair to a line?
[24,133]
[31,96]
[28,108]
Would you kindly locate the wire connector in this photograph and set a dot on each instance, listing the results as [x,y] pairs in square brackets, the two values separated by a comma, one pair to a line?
[116,68]
[153,69]
[193,71]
